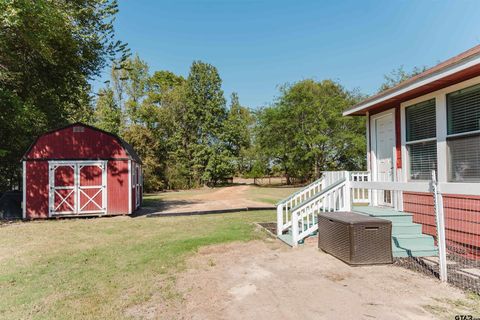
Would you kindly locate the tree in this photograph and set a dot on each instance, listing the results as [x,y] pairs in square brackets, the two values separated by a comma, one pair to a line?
[49,50]
[399,75]
[151,148]
[181,128]
[305,133]
[136,86]
[237,132]
[108,116]
[203,119]
[130,86]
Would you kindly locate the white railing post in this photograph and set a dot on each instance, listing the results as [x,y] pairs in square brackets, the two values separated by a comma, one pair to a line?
[440,220]
[347,195]
[294,229]
[369,192]
[279,219]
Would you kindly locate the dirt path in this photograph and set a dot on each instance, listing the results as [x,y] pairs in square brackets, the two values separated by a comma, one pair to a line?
[233,197]
[260,280]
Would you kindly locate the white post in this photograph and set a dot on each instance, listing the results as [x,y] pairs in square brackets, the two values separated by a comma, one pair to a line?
[399,192]
[76,187]
[51,181]
[129,186]
[104,186]
[347,194]
[294,228]
[279,219]
[369,191]
[440,219]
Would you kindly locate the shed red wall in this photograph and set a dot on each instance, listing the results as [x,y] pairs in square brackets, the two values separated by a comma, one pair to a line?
[67,144]
[36,195]
[37,188]
[117,187]
[462,219]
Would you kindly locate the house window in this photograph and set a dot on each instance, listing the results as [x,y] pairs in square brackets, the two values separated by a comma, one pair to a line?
[421,132]
[463,139]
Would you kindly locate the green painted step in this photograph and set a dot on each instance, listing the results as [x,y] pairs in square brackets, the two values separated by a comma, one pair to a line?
[287,238]
[406,228]
[385,213]
[404,218]
[407,237]
[377,211]
[411,240]
[416,251]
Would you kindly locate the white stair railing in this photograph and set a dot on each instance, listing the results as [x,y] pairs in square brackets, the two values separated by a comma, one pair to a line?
[360,195]
[284,215]
[336,197]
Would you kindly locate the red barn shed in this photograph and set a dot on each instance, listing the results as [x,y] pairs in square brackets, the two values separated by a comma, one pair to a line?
[80,170]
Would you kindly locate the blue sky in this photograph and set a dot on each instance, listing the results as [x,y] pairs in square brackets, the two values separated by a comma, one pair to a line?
[258,45]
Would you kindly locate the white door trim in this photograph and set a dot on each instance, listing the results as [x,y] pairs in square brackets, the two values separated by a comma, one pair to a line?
[76,189]
[373,147]
[129,186]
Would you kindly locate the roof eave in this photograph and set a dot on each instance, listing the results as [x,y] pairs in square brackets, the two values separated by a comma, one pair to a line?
[405,87]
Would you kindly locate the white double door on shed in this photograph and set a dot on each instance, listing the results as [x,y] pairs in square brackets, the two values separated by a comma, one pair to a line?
[383,147]
[77,187]
[137,184]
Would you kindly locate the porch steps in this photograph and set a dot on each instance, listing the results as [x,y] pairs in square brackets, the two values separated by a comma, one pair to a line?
[407,237]
[287,238]
[406,228]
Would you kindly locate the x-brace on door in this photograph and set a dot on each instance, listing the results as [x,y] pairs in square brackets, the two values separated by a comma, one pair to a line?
[77,187]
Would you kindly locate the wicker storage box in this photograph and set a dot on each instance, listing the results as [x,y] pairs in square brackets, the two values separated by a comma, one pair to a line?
[354,238]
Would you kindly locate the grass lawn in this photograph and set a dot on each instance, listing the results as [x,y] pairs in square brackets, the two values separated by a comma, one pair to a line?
[98,268]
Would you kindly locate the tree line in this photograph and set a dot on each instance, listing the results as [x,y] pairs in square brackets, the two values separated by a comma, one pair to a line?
[187,136]
[181,126]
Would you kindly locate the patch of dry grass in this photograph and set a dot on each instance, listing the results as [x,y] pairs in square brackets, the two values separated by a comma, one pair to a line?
[101,268]
[449,308]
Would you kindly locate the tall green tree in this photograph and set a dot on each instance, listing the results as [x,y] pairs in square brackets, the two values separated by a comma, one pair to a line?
[136,87]
[274,132]
[305,133]
[108,115]
[49,50]
[237,126]
[202,122]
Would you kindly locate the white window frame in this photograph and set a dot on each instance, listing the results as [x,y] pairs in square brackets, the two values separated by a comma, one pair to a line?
[440,96]
[407,143]
[456,135]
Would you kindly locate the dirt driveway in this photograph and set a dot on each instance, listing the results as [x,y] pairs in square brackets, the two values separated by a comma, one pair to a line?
[226,198]
[267,280]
